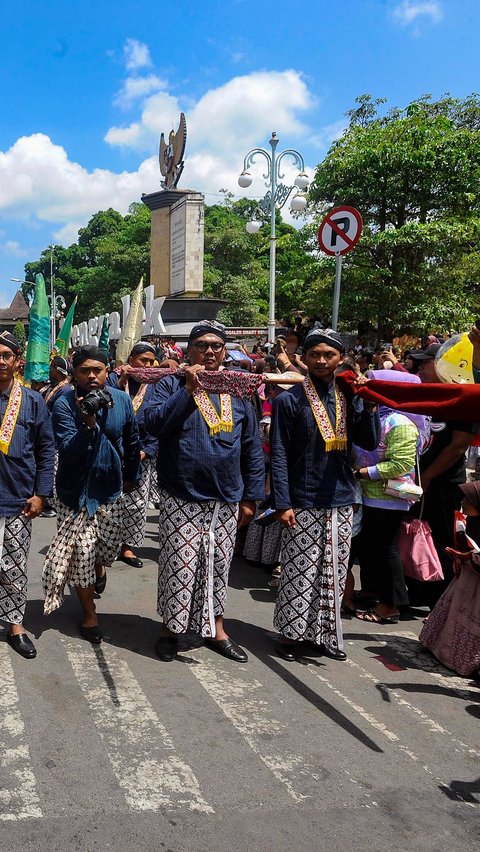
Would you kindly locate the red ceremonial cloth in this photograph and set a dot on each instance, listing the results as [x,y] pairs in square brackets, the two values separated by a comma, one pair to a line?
[441,401]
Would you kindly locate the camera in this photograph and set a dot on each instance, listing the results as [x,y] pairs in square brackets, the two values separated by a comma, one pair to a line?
[94,401]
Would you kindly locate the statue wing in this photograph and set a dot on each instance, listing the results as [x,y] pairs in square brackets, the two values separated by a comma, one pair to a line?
[180,140]
[161,155]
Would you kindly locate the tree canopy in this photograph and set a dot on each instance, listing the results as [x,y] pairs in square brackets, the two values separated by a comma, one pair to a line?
[414,174]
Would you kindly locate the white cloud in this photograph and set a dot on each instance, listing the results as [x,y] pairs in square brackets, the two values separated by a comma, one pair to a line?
[39,183]
[227,119]
[136,54]
[37,179]
[137,87]
[410,11]
[13,249]
[68,234]
[6,298]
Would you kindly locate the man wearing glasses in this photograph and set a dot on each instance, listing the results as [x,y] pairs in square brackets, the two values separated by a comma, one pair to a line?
[210,473]
[27,458]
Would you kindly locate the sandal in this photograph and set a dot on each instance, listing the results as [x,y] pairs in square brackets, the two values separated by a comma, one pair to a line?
[372,617]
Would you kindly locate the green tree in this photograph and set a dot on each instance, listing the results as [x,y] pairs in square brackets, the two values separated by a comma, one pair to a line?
[19,333]
[112,254]
[413,174]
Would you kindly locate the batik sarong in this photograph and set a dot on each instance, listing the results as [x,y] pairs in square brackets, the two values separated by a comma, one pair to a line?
[196,548]
[135,507]
[263,544]
[15,535]
[81,543]
[452,630]
[154,496]
[314,567]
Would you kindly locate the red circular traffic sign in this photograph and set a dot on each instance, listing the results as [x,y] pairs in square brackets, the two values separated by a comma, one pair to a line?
[340,231]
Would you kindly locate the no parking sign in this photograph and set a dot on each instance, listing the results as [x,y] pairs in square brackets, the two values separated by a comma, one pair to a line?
[337,235]
[340,231]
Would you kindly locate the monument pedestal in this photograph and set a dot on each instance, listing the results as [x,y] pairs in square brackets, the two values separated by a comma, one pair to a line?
[176,261]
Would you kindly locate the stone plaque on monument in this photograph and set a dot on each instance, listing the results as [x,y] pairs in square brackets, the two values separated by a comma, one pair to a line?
[178,233]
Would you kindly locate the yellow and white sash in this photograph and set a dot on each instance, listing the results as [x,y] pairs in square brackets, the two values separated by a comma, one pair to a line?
[10,417]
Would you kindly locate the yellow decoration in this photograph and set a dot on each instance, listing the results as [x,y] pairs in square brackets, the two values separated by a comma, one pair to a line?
[453,361]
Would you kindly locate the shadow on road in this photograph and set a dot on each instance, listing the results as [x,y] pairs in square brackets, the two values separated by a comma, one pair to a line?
[259,643]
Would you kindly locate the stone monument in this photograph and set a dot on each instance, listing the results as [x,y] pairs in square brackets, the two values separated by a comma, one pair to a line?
[177,234]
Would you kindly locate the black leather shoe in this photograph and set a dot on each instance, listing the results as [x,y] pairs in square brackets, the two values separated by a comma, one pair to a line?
[334,655]
[48,512]
[166,648]
[100,583]
[228,648]
[91,634]
[23,645]
[134,561]
[286,650]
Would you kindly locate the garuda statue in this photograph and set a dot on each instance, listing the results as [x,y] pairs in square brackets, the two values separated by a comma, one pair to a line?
[171,155]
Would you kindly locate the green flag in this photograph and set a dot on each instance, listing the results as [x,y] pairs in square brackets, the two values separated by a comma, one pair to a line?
[38,348]
[62,342]
[104,341]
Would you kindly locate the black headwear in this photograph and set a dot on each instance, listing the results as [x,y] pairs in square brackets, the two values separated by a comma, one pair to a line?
[9,340]
[89,353]
[60,363]
[141,347]
[208,327]
[323,335]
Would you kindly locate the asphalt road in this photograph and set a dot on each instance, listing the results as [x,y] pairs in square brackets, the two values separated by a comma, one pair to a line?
[108,749]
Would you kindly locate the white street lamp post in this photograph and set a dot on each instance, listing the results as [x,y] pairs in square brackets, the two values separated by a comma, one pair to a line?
[276,197]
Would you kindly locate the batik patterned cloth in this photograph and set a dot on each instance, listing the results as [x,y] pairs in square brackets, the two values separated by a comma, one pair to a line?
[263,544]
[154,496]
[314,567]
[135,507]
[196,548]
[452,630]
[15,535]
[81,542]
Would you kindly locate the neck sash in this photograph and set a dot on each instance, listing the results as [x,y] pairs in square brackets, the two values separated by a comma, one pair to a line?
[334,440]
[9,420]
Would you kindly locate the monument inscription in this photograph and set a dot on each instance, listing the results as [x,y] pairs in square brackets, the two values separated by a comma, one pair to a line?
[178,233]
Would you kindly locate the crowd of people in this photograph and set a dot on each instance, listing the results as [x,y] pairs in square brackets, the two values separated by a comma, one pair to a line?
[319,475]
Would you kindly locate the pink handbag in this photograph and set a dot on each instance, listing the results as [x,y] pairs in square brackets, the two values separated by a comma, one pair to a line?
[417,551]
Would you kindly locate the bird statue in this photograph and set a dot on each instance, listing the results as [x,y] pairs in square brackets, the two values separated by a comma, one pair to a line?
[171,155]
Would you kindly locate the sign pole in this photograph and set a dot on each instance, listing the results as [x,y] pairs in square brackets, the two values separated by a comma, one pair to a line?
[336,292]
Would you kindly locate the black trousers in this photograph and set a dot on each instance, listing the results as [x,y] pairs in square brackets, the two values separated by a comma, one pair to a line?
[381,568]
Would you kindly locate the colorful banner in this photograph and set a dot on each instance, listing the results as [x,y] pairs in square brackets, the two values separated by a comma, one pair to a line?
[38,348]
[62,343]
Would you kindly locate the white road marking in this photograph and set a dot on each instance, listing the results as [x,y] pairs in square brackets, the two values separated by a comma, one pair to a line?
[379,726]
[242,700]
[433,726]
[18,789]
[138,745]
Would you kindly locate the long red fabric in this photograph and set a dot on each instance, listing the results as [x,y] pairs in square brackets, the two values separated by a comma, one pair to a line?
[442,401]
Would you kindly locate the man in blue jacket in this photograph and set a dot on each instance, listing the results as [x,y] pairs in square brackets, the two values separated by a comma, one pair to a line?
[98,456]
[210,473]
[136,502]
[27,458]
[313,427]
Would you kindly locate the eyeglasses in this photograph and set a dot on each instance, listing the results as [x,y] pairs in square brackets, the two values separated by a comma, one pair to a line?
[202,346]
[7,356]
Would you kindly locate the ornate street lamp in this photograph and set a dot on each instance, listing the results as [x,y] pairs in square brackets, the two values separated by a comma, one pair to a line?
[276,197]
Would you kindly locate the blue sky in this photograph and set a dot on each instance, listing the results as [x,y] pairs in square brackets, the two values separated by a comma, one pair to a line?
[86,88]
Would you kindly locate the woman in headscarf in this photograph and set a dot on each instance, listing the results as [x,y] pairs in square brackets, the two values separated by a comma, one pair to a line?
[394,458]
[452,630]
